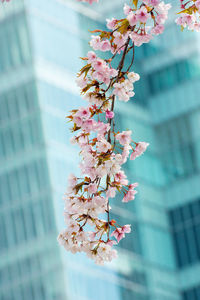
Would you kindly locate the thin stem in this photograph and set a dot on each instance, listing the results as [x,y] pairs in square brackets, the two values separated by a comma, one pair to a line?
[120,67]
[133,57]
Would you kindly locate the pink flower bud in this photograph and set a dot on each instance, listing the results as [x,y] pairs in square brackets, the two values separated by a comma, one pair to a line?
[109,114]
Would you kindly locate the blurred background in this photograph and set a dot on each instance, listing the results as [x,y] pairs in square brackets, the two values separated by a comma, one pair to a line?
[40,42]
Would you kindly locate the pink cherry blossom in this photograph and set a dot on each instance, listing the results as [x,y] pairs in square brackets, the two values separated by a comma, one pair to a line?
[105,46]
[122,91]
[102,128]
[133,77]
[119,39]
[126,228]
[78,121]
[158,29]
[187,20]
[125,153]
[89,1]
[109,114]
[81,81]
[95,42]
[111,243]
[103,145]
[132,18]
[120,178]
[124,137]
[197,4]
[72,180]
[127,9]
[130,195]
[151,2]
[111,192]
[92,188]
[83,113]
[140,38]
[118,234]
[139,150]
[111,23]
[142,14]
[99,65]
[88,125]
[91,56]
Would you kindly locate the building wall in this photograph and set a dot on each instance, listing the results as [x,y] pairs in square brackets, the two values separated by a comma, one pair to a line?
[143,265]
[40,58]
[174,105]
[30,264]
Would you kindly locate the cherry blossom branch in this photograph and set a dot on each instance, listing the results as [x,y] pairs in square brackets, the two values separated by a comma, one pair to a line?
[189,15]
[133,56]
[112,121]
[104,151]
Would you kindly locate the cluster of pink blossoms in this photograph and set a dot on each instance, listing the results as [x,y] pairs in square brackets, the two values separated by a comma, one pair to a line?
[189,15]
[150,10]
[88,1]
[86,200]
[143,22]
[104,151]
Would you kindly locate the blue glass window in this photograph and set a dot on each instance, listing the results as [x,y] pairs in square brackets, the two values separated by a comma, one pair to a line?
[14,50]
[191,294]
[166,78]
[179,156]
[186,231]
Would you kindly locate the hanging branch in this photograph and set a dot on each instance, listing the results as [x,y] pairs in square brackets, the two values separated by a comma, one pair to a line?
[104,151]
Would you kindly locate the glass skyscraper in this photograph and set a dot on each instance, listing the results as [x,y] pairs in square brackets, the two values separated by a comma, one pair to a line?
[40,42]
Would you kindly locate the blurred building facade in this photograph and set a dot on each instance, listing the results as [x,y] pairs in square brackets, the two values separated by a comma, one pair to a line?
[40,45]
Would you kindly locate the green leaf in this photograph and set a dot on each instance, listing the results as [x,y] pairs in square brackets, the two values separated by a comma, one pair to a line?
[79,186]
[124,26]
[75,128]
[188,11]
[85,89]
[135,2]
[85,70]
